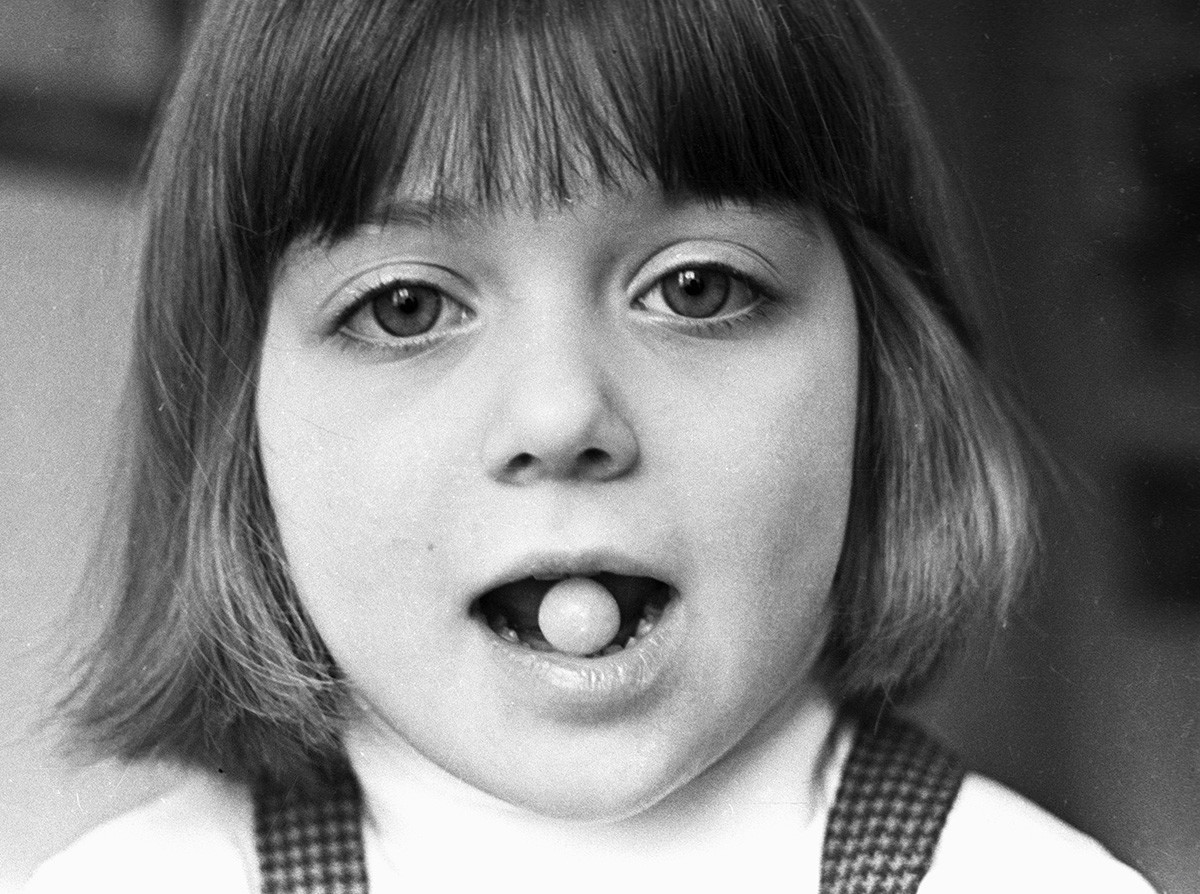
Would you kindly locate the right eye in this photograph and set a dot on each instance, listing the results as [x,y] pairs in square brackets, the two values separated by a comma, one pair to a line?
[403,313]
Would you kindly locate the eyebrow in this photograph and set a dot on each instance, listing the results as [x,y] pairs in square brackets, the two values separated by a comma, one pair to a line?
[453,216]
[802,216]
[448,214]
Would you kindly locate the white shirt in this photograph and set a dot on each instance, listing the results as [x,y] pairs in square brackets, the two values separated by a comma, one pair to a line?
[425,832]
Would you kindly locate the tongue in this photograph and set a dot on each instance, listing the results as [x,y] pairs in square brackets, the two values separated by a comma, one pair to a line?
[579,616]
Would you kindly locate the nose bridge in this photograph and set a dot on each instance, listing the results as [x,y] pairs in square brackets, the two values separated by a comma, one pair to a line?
[560,350]
[557,413]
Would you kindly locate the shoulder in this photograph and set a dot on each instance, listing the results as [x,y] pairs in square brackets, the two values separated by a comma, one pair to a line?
[995,840]
[197,837]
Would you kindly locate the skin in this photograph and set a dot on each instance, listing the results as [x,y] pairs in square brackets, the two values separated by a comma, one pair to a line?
[567,407]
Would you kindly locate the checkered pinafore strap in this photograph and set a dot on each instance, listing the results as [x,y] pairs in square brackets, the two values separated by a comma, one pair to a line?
[897,788]
[310,846]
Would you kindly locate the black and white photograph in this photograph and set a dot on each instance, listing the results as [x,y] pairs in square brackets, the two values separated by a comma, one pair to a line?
[661,445]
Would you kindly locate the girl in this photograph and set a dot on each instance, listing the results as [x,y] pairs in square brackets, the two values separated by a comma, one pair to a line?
[558,434]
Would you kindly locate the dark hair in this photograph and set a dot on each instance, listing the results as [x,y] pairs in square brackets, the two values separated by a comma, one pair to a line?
[294,118]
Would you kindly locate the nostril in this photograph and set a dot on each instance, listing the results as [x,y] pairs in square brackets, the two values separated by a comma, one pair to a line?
[594,456]
[520,463]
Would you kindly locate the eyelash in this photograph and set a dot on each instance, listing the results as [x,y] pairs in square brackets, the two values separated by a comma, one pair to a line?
[717,326]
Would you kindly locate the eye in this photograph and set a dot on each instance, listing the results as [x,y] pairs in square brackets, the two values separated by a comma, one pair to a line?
[402,311]
[700,293]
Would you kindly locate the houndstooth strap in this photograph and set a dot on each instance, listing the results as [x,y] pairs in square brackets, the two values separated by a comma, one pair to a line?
[897,788]
[310,846]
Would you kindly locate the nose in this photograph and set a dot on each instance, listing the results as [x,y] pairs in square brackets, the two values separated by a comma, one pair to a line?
[557,417]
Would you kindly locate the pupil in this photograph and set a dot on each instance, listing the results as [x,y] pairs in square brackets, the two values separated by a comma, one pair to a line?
[692,282]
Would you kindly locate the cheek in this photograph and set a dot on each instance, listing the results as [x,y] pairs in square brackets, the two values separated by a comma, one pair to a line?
[349,481]
[363,522]
[770,465]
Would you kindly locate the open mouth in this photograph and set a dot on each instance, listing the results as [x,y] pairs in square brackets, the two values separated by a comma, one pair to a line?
[511,610]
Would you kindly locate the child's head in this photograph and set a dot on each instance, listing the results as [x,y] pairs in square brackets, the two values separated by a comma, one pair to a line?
[440,296]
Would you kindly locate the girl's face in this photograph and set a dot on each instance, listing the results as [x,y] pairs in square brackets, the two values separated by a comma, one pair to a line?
[457,410]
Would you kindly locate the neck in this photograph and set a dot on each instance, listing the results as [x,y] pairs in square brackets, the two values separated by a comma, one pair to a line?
[760,798]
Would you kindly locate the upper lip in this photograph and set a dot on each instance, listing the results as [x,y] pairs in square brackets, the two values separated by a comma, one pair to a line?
[553,564]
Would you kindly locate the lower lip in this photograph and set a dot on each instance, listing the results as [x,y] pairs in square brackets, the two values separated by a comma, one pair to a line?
[586,687]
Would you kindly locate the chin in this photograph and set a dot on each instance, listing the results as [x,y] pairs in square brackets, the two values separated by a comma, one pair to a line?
[591,801]
[609,781]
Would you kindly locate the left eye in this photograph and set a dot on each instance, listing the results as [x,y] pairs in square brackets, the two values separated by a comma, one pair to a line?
[699,293]
[403,310]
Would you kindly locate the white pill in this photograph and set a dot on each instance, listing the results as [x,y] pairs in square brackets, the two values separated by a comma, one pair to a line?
[579,616]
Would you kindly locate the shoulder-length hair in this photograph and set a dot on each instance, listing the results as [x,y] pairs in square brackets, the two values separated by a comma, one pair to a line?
[294,118]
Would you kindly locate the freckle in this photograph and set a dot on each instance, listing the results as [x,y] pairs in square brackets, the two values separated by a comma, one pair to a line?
[429,546]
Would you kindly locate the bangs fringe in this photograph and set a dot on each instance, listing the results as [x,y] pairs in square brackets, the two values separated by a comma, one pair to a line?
[538,102]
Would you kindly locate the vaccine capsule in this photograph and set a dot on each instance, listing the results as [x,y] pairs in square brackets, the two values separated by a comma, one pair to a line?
[579,616]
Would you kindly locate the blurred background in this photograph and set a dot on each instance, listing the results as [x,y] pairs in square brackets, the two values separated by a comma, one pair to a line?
[1074,129]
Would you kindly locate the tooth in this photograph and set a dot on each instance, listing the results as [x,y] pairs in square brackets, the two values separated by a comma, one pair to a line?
[652,614]
[645,625]
[611,649]
[500,626]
